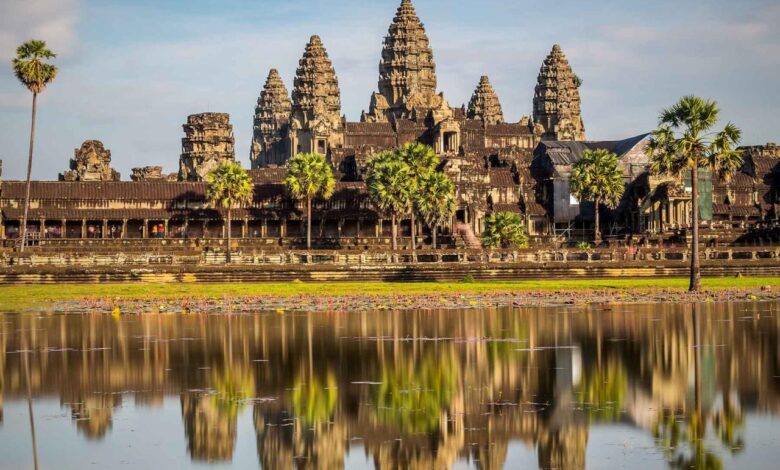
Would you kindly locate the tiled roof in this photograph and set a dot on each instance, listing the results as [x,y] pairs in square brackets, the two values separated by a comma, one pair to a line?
[100,191]
[734,210]
[533,208]
[379,128]
[507,208]
[501,178]
[507,129]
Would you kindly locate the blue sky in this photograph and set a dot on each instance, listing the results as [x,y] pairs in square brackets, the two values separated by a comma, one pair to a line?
[131,71]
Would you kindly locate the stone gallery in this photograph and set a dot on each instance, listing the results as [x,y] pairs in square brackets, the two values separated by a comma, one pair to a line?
[496,165]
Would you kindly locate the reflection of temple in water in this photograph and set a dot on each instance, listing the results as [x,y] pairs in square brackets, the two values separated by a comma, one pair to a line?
[412,389]
[210,430]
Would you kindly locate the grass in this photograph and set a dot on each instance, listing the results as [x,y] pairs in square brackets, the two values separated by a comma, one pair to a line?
[17,297]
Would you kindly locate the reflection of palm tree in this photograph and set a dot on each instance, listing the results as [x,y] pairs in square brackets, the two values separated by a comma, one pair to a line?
[413,395]
[602,391]
[26,365]
[682,432]
[314,402]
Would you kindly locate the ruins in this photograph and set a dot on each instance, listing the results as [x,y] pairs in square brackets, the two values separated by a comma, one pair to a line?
[496,163]
[91,162]
[208,142]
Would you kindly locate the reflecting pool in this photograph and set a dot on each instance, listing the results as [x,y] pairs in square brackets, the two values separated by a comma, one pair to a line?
[640,386]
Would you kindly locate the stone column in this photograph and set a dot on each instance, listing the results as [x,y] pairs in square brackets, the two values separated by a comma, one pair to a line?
[64,228]
[83,228]
[245,228]
[124,229]
[186,227]
[104,233]
[42,228]
[165,228]
[145,229]
[378,228]
[264,229]
[283,228]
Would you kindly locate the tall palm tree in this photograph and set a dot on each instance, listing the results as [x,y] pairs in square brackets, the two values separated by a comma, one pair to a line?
[597,177]
[684,141]
[229,186]
[310,176]
[434,201]
[35,74]
[422,160]
[391,184]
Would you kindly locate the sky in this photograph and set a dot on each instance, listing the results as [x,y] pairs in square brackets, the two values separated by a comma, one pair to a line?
[131,71]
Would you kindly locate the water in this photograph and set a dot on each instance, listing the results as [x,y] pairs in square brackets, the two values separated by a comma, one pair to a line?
[658,386]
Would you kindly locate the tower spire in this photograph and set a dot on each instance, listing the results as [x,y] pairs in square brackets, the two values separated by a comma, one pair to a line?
[557,99]
[484,103]
[316,89]
[407,72]
[271,117]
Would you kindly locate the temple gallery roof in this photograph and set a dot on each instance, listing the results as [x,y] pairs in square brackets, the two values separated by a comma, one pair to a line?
[569,152]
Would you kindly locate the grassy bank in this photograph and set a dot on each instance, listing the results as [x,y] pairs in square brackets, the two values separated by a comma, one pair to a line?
[19,297]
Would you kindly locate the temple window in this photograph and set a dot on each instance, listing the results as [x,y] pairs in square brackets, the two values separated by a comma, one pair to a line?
[321,146]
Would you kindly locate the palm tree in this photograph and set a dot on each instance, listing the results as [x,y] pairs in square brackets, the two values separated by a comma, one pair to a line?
[391,184]
[422,160]
[435,201]
[684,142]
[35,74]
[597,177]
[309,176]
[504,230]
[229,186]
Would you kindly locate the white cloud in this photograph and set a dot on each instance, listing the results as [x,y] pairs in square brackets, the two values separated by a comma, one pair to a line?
[54,21]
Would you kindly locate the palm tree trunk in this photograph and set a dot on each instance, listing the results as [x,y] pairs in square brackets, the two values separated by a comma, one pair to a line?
[597,234]
[695,285]
[395,242]
[228,236]
[308,223]
[414,239]
[29,172]
[434,229]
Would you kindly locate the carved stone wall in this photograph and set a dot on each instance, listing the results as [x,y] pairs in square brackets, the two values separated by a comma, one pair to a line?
[208,142]
[484,104]
[91,162]
[557,99]
[272,116]
[147,173]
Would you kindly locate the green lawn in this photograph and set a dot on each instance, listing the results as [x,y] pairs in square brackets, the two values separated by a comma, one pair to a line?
[14,297]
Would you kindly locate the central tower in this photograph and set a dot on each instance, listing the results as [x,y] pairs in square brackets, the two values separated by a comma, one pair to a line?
[407,72]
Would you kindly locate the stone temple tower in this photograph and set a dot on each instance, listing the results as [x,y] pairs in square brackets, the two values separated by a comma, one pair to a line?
[484,104]
[272,115]
[316,124]
[407,72]
[557,99]
[208,142]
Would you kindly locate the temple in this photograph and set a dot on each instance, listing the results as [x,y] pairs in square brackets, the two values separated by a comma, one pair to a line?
[496,163]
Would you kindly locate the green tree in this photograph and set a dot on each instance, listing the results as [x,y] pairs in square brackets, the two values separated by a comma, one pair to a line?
[391,185]
[504,230]
[35,74]
[597,177]
[434,200]
[309,176]
[422,160]
[685,142]
[229,186]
